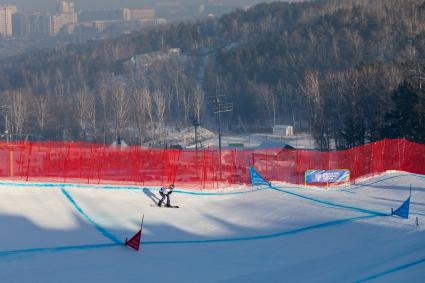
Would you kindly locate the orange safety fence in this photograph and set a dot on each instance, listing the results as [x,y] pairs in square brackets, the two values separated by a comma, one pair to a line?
[90,163]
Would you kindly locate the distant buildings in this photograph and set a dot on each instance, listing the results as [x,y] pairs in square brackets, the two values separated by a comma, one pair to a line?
[31,24]
[119,18]
[116,15]
[138,14]
[6,12]
[101,15]
[65,17]
[67,20]
[35,24]
[99,26]
[64,7]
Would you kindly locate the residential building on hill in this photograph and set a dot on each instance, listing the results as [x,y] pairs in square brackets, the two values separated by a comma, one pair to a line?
[6,12]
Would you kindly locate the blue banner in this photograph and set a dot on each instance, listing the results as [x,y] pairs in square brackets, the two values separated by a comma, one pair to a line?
[327,176]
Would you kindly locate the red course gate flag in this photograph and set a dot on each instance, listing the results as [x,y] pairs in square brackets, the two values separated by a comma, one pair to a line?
[134,242]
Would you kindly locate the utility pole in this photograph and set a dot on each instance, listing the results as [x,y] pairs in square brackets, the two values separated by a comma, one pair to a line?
[6,129]
[219,105]
[196,124]
[5,109]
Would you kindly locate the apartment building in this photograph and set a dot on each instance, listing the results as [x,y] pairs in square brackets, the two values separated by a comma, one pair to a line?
[6,12]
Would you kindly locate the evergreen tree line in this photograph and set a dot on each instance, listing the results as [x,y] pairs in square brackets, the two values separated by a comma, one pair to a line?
[331,67]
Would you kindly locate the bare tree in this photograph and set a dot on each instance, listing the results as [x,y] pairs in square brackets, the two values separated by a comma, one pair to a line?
[41,107]
[175,76]
[121,108]
[198,102]
[160,101]
[103,96]
[320,130]
[18,110]
[85,110]
[187,105]
[140,111]
[147,106]
[91,114]
[80,111]
[269,100]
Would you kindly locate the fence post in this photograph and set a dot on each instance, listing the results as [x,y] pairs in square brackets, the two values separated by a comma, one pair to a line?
[11,163]
[28,162]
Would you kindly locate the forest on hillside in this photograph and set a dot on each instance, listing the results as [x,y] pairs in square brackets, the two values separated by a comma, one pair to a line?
[348,71]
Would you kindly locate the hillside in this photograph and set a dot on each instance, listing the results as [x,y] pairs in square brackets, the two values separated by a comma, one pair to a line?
[318,65]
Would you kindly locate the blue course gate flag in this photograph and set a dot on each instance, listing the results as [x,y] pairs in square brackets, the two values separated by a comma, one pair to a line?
[257,179]
[403,210]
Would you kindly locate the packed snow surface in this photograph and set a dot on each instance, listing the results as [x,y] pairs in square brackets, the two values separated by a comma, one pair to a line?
[75,233]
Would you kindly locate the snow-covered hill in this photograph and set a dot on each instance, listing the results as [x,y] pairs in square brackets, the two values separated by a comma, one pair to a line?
[64,233]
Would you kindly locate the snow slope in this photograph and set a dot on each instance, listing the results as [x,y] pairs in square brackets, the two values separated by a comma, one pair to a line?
[64,233]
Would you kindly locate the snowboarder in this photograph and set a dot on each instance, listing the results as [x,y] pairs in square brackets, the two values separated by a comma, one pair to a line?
[165,193]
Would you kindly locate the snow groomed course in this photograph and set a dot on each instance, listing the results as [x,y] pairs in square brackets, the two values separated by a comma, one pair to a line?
[76,233]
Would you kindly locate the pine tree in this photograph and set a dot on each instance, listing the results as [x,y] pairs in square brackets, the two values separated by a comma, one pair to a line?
[403,120]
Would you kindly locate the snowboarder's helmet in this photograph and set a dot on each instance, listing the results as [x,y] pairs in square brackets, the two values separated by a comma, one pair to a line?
[172,186]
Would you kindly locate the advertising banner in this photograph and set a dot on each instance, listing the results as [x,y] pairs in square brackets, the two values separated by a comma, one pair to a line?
[327,176]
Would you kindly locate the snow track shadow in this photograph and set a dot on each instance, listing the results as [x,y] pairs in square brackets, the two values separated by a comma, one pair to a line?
[332,204]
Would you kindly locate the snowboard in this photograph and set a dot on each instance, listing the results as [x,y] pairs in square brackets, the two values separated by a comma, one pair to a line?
[173,206]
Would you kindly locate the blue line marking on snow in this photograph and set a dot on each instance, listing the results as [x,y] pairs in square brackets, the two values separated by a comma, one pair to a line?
[98,227]
[332,204]
[398,268]
[58,249]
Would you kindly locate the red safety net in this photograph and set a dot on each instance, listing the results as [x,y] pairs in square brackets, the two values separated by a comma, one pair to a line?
[72,162]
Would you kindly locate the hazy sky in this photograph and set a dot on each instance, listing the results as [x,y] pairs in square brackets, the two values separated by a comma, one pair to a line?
[49,5]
